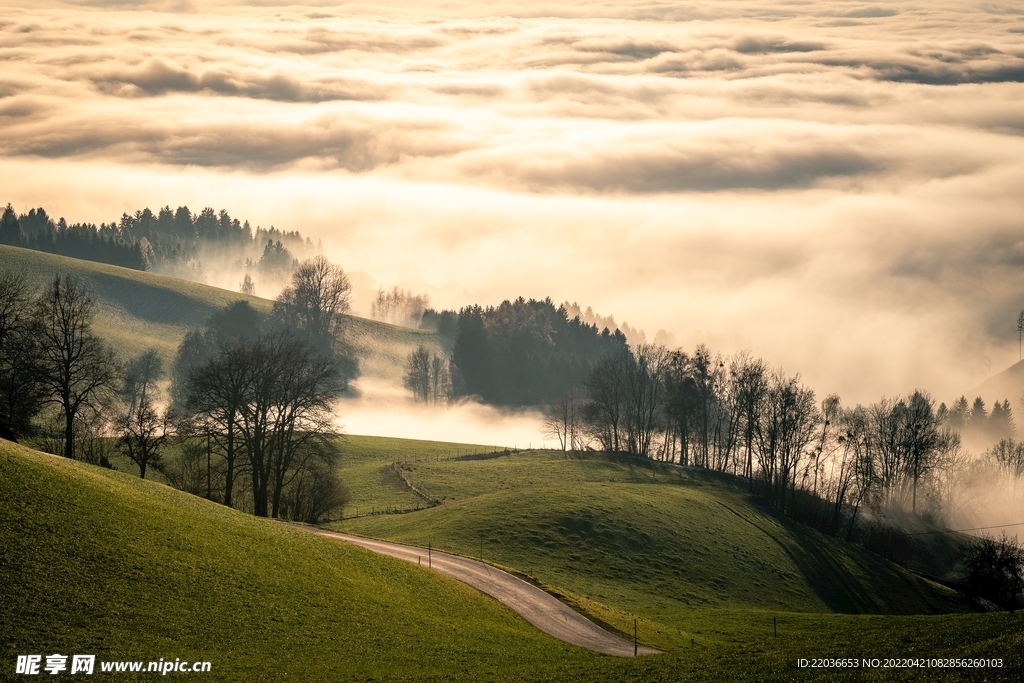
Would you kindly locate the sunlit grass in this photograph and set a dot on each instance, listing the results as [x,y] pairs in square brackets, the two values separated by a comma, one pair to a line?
[100,562]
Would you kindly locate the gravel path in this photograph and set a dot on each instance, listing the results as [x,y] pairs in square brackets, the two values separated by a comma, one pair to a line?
[537,607]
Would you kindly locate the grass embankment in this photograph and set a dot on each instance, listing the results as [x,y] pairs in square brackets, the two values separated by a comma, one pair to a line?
[137,311]
[687,552]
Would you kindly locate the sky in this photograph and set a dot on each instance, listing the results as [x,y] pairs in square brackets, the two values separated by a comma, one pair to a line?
[833,186]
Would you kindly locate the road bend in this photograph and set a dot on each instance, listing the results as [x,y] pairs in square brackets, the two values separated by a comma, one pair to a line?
[537,607]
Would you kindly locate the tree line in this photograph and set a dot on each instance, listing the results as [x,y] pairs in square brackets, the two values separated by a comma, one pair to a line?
[252,394]
[169,240]
[522,352]
[737,415]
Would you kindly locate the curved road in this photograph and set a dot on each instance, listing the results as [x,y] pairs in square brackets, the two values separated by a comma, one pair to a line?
[537,607]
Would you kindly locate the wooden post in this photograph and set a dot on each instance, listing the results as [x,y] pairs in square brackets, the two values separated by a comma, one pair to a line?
[429,565]
[635,648]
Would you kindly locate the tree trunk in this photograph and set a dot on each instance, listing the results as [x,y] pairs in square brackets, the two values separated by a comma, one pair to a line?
[69,434]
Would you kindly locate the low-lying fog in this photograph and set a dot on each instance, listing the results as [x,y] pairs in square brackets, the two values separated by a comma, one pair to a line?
[382,409]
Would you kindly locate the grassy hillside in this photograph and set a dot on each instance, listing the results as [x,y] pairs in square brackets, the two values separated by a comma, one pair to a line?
[627,537]
[374,485]
[98,562]
[138,310]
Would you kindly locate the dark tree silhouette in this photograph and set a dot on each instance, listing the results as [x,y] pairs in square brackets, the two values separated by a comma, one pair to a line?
[142,433]
[21,393]
[76,368]
[994,570]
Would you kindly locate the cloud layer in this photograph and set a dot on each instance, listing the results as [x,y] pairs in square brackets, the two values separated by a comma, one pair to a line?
[833,185]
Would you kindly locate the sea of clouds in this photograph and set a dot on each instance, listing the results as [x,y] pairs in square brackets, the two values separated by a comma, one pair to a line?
[836,186]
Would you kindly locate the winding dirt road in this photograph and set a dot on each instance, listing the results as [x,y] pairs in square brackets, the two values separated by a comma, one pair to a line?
[537,607]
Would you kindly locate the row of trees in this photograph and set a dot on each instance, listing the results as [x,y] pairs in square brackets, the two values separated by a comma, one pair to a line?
[524,353]
[736,415]
[173,241]
[399,307]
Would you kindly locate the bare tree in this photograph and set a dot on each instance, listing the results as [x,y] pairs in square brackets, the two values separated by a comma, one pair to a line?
[315,301]
[21,393]
[787,426]
[644,394]
[140,377]
[77,369]
[680,398]
[286,415]
[605,409]
[399,307]
[750,381]
[1020,334]
[951,475]
[921,439]
[562,420]
[247,286]
[830,413]
[427,376]
[215,395]
[142,434]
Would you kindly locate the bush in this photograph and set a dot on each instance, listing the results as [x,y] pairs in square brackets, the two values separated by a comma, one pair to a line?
[994,570]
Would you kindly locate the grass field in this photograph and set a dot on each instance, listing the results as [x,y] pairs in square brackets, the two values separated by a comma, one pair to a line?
[687,552]
[99,562]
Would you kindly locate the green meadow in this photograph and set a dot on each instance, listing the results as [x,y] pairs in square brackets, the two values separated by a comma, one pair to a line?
[100,562]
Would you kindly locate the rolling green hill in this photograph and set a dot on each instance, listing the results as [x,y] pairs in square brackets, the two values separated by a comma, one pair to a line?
[138,310]
[99,562]
[102,563]
[627,536]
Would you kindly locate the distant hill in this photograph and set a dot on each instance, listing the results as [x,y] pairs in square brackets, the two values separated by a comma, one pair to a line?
[139,310]
[1008,384]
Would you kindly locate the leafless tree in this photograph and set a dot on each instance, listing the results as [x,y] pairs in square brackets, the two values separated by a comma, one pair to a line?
[140,377]
[315,302]
[216,393]
[76,368]
[286,416]
[428,376]
[605,409]
[750,384]
[563,420]
[921,439]
[399,307]
[21,393]
[787,425]
[247,286]
[644,389]
[142,433]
